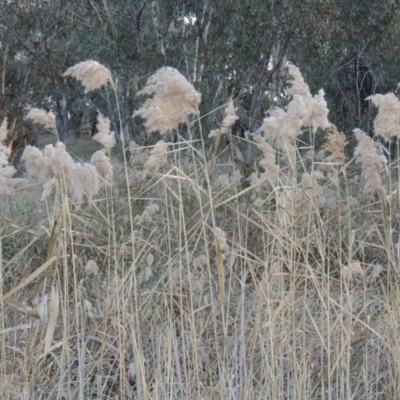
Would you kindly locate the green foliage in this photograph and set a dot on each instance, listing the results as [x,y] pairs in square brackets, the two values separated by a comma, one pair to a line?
[226,48]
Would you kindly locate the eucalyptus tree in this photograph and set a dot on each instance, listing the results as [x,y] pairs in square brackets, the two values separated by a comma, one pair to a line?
[226,48]
[39,40]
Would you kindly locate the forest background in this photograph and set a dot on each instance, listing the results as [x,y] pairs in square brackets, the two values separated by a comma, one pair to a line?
[225,48]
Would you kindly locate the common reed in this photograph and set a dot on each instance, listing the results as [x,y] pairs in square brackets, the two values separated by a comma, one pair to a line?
[229,119]
[92,75]
[42,117]
[372,164]
[171,100]
[196,277]
[387,122]
[104,136]
[54,168]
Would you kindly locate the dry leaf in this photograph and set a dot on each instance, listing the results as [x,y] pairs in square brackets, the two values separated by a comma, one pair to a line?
[53,315]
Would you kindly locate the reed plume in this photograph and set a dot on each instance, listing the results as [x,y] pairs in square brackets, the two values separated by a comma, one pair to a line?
[104,136]
[315,111]
[7,171]
[230,118]
[42,117]
[270,169]
[387,122]
[54,168]
[283,125]
[172,99]
[147,214]
[351,270]
[103,166]
[334,162]
[92,75]
[158,156]
[371,162]
[336,142]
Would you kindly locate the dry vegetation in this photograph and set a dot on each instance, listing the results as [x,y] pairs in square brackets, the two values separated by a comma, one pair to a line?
[177,274]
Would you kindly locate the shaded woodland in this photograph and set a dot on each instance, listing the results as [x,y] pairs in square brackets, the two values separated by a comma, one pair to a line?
[226,48]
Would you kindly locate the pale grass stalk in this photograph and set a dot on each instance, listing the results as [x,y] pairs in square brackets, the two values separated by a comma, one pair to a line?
[137,340]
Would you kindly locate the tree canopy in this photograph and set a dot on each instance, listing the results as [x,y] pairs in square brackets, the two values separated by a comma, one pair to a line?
[226,48]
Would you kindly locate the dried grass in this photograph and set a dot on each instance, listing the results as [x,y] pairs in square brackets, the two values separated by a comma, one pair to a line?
[54,168]
[272,285]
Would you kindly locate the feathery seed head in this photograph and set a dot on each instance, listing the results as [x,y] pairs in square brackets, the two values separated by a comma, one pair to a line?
[335,145]
[314,111]
[222,181]
[376,272]
[34,160]
[298,86]
[104,136]
[387,122]
[58,164]
[268,160]
[230,115]
[147,214]
[317,112]
[172,100]
[220,237]
[230,118]
[103,166]
[3,131]
[371,162]
[91,268]
[92,75]
[54,168]
[86,182]
[284,127]
[6,170]
[353,269]
[39,116]
[158,156]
